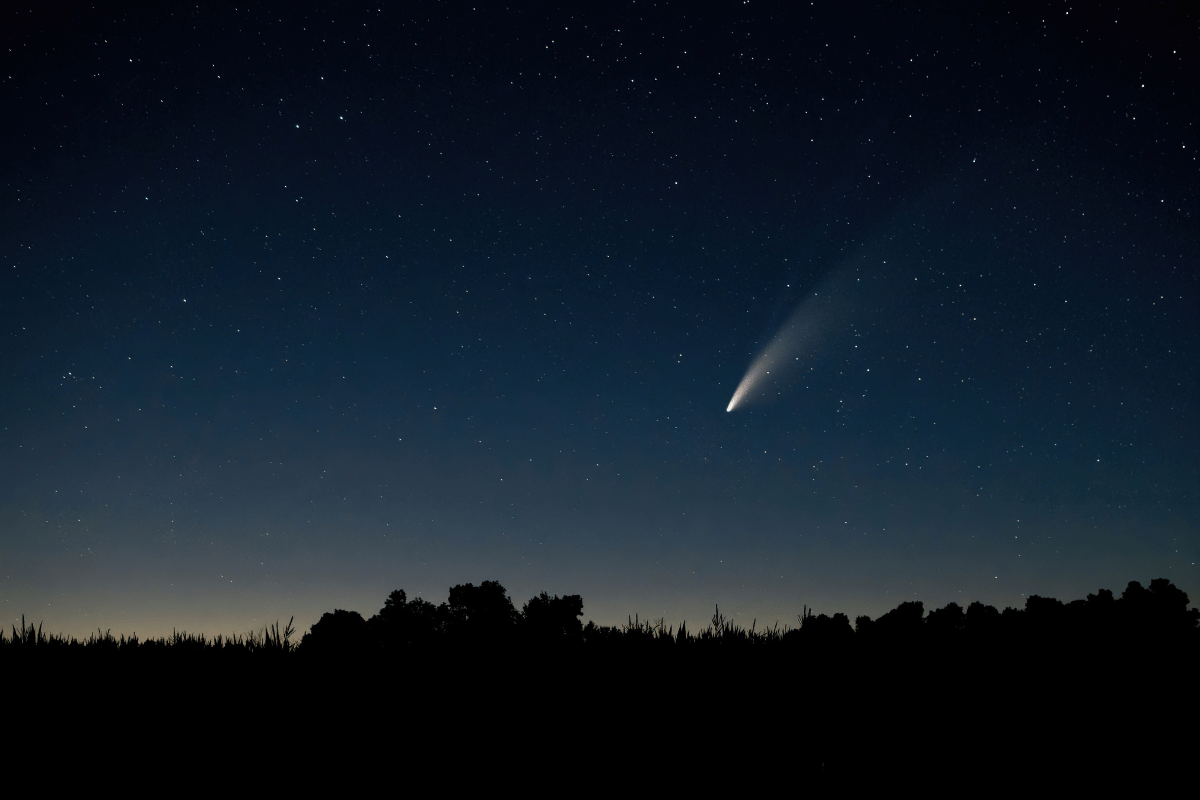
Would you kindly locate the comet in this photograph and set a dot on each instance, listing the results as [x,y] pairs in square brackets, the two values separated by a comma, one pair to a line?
[795,339]
[799,337]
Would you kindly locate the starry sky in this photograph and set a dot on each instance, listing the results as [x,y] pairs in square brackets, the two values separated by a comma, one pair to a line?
[303,303]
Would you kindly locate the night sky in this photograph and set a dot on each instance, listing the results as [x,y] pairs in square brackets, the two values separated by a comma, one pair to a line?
[301,305]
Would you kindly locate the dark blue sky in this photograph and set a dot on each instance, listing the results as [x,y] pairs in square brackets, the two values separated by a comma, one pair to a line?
[303,304]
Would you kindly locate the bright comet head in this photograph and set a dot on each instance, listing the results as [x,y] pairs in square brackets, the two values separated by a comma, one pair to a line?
[747,383]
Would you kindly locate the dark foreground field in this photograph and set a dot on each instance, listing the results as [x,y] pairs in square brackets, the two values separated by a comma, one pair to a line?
[1054,696]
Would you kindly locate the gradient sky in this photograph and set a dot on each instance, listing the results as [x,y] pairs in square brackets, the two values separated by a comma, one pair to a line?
[303,304]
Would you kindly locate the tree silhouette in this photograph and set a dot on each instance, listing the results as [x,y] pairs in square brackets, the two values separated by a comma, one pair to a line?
[982,620]
[822,630]
[553,620]
[342,632]
[947,622]
[904,622]
[403,624]
[1161,609]
[482,613]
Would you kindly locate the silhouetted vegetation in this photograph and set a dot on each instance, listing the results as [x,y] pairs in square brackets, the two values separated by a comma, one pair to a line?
[271,643]
[484,616]
[951,693]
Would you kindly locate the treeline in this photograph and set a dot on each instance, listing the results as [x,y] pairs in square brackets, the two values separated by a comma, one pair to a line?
[484,616]
[910,696]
